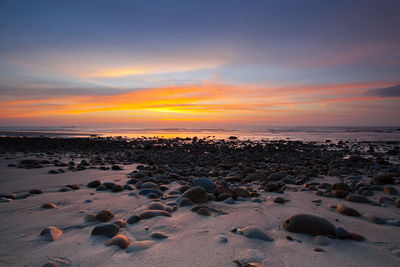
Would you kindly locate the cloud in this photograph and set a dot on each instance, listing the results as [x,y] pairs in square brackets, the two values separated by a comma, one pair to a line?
[393,91]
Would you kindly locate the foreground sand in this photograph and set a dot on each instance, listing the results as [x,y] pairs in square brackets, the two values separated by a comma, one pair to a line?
[194,240]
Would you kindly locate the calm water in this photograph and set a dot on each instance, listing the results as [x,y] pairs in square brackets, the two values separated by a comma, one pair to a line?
[255,133]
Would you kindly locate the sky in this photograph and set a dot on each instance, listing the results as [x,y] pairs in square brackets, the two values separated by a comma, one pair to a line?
[200,63]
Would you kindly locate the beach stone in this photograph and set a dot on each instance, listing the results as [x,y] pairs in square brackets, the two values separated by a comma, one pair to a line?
[104,215]
[149,185]
[250,256]
[140,245]
[4,199]
[308,224]
[117,188]
[35,191]
[345,210]
[385,200]
[240,192]
[119,240]
[271,187]
[147,191]
[120,223]
[157,206]
[206,183]
[90,217]
[48,206]
[148,214]
[340,186]
[390,190]
[317,249]
[356,237]
[257,176]
[185,202]
[50,264]
[394,222]
[9,196]
[374,219]
[254,232]
[383,179]
[224,192]
[51,233]
[341,233]
[196,194]
[109,185]
[116,168]
[74,186]
[340,193]
[322,240]
[31,164]
[279,200]
[106,229]
[159,235]
[134,219]
[101,188]
[94,184]
[358,198]
[221,239]
[128,187]
[204,212]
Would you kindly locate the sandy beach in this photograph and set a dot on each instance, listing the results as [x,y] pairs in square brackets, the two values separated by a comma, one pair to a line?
[198,203]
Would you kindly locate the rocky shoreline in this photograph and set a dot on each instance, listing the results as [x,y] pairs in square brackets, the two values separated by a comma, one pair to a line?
[210,178]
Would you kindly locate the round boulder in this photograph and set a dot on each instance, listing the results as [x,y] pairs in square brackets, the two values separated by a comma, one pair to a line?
[308,224]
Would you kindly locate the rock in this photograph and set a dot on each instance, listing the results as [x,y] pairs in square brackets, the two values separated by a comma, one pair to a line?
[340,186]
[116,168]
[134,219]
[147,191]
[374,219]
[140,245]
[148,214]
[397,203]
[35,191]
[207,184]
[358,198]
[318,249]
[117,188]
[341,233]
[340,193]
[157,206]
[394,222]
[159,235]
[390,190]
[383,179]
[109,185]
[204,212]
[223,192]
[240,192]
[345,210]
[90,217]
[119,240]
[185,202]
[50,264]
[48,206]
[279,200]
[254,232]
[271,187]
[106,229]
[277,176]
[120,223]
[257,176]
[308,224]
[196,194]
[250,257]
[94,184]
[356,237]
[149,185]
[385,200]
[4,199]
[104,215]
[101,188]
[51,233]
[74,186]
[322,240]
[221,239]
[9,196]
[31,164]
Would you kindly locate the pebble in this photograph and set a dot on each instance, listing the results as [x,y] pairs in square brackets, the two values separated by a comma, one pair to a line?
[196,194]
[148,214]
[374,219]
[279,200]
[94,184]
[50,264]
[35,191]
[120,223]
[205,183]
[358,198]
[317,249]
[106,229]
[184,202]
[48,206]
[119,240]
[157,206]
[117,188]
[382,179]
[104,215]
[221,239]
[345,210]
[134,219]
[9,196]
[308,224]
[356,237]
[140,245]
[101,187]
[159,235]
[51,233]
[254,232]
[204,212]
[341,233]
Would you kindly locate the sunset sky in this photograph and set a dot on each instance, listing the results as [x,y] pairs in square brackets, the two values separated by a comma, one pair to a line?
[199,63]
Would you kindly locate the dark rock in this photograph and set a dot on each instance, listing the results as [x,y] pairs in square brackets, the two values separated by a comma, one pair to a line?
[345,210]
[356,237]
[94,184]
[120,223]
[117,188]
[109,185]
[116,168]
[101,188]
[340,193]
[147,191]
[207,184]
[341,233]
[106,229]
[279,200]
[340,186]
[48,206]
[50,264]
[374,219]
[185,202]
[390,190]
[148,214]
[134,219]
[74,186]
[385,200]
[9,196]
[35,191]
[223,192]
[196,194]
[309,224]
[204,211]
[104,215]
[254,232]
[257,176]
[382,179]
[358,198]
[271,187]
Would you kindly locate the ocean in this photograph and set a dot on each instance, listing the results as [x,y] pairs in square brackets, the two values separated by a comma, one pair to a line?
[302,133]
